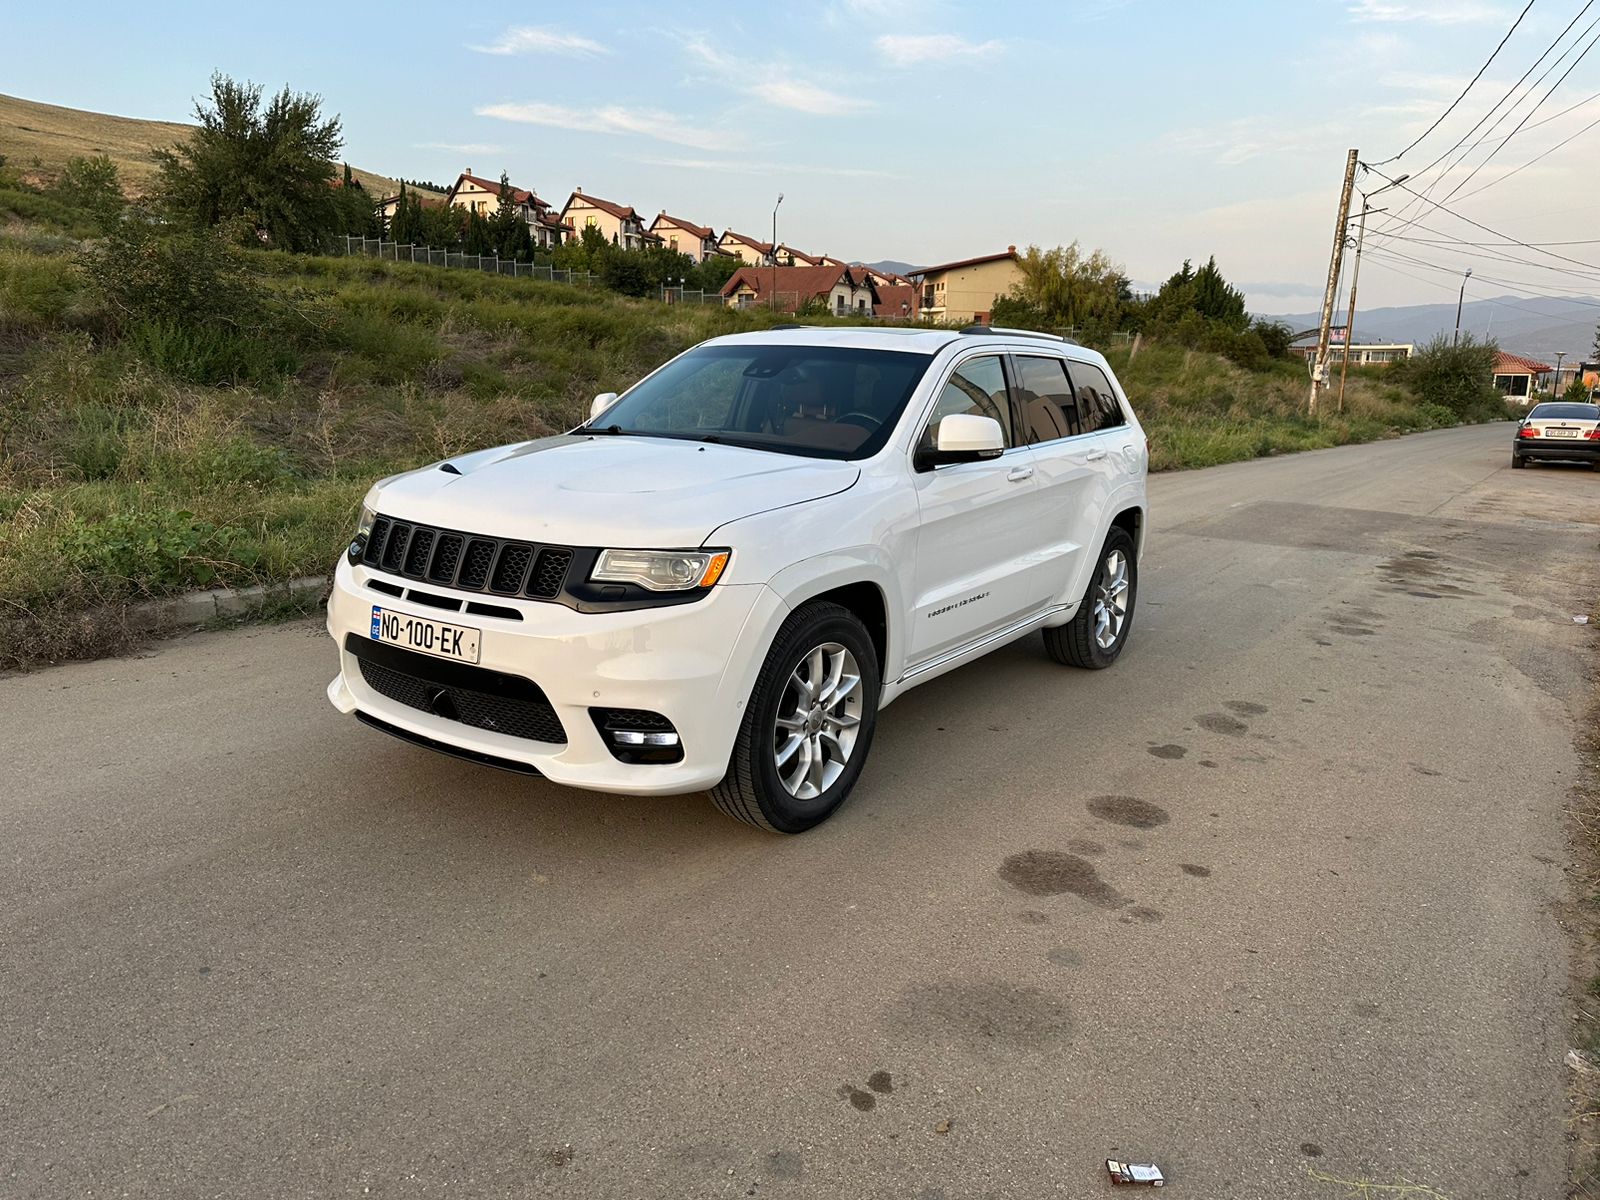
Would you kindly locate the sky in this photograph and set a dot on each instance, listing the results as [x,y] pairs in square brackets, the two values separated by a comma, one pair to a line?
[926,131]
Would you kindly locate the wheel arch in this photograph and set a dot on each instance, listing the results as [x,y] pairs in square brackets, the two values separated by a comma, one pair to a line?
[1131,519]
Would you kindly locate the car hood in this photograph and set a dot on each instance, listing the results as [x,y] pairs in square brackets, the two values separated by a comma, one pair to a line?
[580,490]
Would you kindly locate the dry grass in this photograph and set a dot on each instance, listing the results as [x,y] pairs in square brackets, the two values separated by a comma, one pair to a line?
[51,135]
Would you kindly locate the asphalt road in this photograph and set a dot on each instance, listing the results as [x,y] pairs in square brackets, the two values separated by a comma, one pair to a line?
[1271,902]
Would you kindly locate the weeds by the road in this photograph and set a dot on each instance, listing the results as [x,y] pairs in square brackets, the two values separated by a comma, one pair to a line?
[177,415]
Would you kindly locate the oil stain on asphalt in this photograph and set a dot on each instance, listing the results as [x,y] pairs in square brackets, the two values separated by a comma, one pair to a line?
[1128,810]
[1056,873]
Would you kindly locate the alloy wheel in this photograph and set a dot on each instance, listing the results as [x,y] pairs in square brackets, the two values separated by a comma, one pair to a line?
[1111,600]
[819,717]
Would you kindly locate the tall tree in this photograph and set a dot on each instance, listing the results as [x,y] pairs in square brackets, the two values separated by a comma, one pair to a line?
[1216,299]
[1069,287]
[264,173]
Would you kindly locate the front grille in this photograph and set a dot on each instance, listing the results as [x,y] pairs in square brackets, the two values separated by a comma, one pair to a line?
[468,561]
[474,696]
[549,573]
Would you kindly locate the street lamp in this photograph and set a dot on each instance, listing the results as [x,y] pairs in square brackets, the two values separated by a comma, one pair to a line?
[1459,299]
[773,299]
[1555,383]
[1355,278]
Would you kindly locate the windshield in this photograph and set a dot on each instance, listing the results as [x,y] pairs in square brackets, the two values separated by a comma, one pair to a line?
[817,401]
[1565,412]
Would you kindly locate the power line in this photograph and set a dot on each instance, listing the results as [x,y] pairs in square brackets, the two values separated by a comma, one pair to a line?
[1511,91]
[1530,163]
[1495,252]
[1488,229]
[1521,286]
[1464,90]
[1530,113]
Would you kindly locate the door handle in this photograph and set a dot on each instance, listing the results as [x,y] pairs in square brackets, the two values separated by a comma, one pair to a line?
[1094,456]
[1018,474]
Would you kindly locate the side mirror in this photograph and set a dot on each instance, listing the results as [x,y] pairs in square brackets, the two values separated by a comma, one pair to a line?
[963,437]
[600,403]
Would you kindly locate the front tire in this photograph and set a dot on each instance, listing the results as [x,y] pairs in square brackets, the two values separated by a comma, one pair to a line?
[809,724]
[1098,631]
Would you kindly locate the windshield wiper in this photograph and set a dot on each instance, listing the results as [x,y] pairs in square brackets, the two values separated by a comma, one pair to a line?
[610,430]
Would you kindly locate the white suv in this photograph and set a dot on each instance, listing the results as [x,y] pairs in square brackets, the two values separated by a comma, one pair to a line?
[721,579]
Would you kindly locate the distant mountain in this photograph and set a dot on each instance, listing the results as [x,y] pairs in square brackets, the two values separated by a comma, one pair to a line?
[893,266]
[1535,327]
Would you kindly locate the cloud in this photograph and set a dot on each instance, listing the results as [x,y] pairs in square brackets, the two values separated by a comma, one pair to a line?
[530,39]
[744,167]
[1431,12]
[644,122]
[462,147]
[911,49]
[775,84]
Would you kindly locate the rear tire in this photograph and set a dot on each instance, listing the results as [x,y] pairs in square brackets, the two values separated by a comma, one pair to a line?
[808,728]
[1516,462]
[1098,631]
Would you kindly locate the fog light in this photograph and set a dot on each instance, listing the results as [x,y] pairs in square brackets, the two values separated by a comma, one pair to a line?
[632,737]
[636,735]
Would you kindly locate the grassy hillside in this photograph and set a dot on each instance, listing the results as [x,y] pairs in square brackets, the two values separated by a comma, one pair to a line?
[31,131]
[149,450]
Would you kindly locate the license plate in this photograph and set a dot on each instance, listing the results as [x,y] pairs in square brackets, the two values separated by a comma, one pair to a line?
[1561,432]
[424,635]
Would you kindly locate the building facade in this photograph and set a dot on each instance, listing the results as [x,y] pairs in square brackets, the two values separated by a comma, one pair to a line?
[964,292]
[619,224]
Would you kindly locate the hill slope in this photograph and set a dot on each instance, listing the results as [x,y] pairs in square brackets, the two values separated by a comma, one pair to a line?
[51,135]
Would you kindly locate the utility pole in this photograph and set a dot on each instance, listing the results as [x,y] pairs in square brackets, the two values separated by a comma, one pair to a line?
[1355,278]
[1457,336]
[775,253]
[1335,261]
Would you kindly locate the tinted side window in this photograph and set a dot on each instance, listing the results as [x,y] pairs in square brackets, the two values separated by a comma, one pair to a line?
[977,387]
[1045,398]
[1097,403]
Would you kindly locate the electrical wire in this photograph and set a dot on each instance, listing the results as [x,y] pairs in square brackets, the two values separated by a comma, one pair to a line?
[1487,158]
[1530,163]
[1464,91]
[1509,92]
[1489,229]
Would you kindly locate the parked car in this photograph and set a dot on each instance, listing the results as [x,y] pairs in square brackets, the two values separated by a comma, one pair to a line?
[1558,430]
[725,575]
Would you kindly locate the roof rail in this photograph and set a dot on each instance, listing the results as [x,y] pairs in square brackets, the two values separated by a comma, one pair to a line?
[1032,333]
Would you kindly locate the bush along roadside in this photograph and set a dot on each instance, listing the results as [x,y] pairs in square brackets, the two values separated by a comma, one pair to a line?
[177,413]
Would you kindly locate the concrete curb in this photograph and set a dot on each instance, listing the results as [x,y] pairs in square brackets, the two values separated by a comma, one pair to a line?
[201,608]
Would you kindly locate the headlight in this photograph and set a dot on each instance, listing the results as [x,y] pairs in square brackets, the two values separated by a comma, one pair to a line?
[358,545]
[661,570]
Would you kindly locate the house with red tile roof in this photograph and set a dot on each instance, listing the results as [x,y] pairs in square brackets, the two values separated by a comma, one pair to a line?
[789,289]
[745,248]
[788,256]
[1518,377]
[699,242]
[619,224]
[482,196]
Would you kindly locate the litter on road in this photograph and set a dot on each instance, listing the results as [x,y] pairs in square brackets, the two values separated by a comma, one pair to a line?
[1146,1173]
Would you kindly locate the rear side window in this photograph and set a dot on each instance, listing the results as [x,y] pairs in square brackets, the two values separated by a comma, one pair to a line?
[1097,402]
[1045,399]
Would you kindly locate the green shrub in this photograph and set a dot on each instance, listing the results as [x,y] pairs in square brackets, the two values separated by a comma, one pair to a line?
[208,354]
[189,279]
[157,551]
[1455,377]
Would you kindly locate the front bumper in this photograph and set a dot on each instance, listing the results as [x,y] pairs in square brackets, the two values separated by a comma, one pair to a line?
[696,664]
[1572,449]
